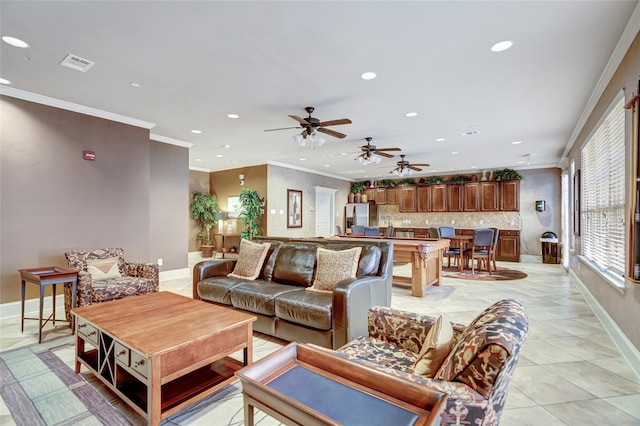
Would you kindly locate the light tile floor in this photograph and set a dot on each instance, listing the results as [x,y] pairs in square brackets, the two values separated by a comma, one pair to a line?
[569,373]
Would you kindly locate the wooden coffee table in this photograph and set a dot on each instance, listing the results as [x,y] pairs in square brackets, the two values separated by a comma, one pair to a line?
[161,352]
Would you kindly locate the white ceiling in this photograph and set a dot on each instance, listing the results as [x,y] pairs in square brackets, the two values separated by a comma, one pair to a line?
[196,62]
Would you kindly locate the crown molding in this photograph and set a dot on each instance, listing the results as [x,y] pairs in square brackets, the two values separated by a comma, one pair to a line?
[70,106]
[170,141]
[304,169]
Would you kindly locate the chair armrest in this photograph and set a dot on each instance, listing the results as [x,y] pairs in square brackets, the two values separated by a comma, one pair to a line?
[403,329]
[83,289]
[144,270]
[352,298]
[210,268]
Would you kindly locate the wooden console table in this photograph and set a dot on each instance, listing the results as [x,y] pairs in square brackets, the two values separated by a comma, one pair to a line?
[305,385]
[161,352]
[425,257]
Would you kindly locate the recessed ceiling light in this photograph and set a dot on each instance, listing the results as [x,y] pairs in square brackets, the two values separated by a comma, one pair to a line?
[516,142]
[327,165]
[16,42]
[219,155]
[440,140]
[368,75]
[411,114]
[233,116]
[454,152]
[226,146]
[303,159]
[4,81]
[197,159]
[501,46]
[365,176]
[474,167]
[520,162]
[344,153]
[197,132]
[134,84]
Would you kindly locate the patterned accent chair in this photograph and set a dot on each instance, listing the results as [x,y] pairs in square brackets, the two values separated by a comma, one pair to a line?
[136,278]
[475,374]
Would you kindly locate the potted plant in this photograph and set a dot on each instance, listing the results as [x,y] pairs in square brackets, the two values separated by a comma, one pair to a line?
[507,174]
[431,180]
[406,182]
[459,179]
[252,210]
[356,190]
[386,183]
[203,208]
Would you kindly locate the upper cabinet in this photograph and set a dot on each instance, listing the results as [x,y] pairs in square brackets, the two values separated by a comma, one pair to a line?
[471,196]
[381,196]
[392,195]
[424,198]
[439,198]
[489,196]
[454,197]
[407,199]
[370,193]
[510,195]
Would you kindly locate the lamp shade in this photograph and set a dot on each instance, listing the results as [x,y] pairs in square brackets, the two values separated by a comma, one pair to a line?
[220,215]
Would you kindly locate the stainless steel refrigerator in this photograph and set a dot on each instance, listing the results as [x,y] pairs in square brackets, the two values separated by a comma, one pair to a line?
[361,214]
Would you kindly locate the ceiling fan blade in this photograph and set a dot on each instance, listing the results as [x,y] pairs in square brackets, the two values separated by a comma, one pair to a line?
[384,154]
[334,122]
[300,120]
[417,169]
[332,133]
[388,149]
[283,128]
[422,165]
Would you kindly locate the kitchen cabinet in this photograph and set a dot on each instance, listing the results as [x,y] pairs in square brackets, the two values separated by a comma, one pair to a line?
[392,195]
[454,197]
[381,196]
[370,193]
[407,199]
[439,198]
[471,196]
[420,233]
[510,195]
[424,198]
[489,196]
[508,246]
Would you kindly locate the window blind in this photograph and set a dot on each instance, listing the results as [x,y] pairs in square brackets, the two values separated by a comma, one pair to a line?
[566,209]
[603,176]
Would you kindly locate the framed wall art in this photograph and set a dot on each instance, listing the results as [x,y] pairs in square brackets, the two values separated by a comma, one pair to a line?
[294,208]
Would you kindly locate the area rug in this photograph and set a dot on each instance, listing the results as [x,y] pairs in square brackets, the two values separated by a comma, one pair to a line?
[502,274]
[39,387]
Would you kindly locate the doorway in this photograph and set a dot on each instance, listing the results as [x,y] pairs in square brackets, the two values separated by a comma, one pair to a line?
[325,211]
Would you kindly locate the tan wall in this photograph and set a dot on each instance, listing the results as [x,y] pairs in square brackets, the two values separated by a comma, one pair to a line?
[133,196]
[226,183]
[623,307]
[281,179]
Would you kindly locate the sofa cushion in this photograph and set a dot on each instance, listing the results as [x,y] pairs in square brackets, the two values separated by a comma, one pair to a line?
[310,308]
[250,259]
[295,264]
[485,345]
[435,348]
[369,258]
[335,266]
[117,288]
[270,261]
[380,353]
[103,269]
[218,289]
[258,296]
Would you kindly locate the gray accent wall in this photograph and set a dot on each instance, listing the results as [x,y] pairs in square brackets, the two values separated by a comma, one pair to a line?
[134,195]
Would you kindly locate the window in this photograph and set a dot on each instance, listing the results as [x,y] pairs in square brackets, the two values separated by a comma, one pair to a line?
[566,209]
[603,174]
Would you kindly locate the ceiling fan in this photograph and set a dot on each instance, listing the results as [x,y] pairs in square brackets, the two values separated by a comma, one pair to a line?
[405,168]
[312,126]
[373,154]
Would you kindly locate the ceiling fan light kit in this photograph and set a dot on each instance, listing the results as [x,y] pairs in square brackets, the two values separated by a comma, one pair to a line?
[311,126]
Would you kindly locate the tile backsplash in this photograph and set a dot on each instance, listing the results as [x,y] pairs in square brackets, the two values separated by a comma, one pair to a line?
[501,220]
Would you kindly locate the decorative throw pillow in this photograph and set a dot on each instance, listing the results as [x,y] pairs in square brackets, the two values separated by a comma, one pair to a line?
[250,260]
[335,266]
[103,269]
[435,348]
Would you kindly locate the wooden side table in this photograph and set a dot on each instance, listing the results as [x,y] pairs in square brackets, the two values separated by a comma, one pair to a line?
[44,276]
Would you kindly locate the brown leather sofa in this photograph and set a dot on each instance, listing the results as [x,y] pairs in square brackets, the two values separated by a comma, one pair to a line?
[284,308]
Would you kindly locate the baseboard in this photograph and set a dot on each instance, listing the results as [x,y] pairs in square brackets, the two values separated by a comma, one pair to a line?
[174,274]
[31,307]
[530,258]
[629,352]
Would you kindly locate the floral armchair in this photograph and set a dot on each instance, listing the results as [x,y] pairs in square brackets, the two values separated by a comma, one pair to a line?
[476,372]
[104,275]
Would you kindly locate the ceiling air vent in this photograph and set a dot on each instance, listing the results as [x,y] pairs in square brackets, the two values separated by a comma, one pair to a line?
[77,63]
